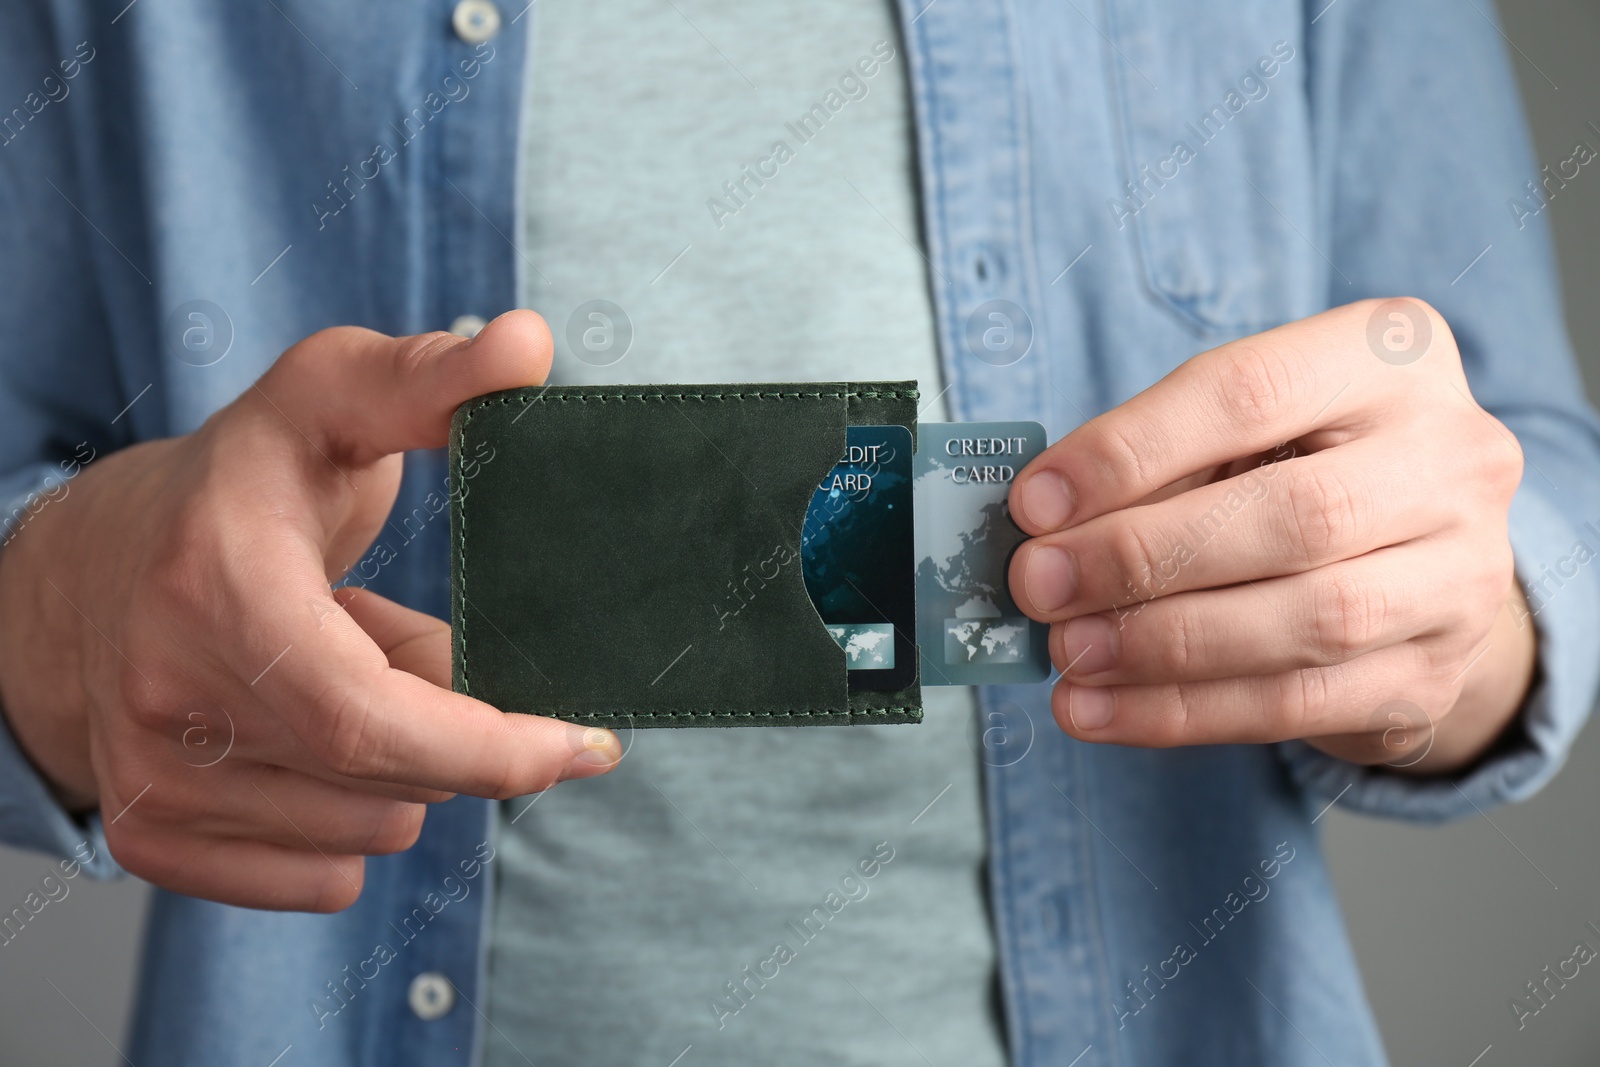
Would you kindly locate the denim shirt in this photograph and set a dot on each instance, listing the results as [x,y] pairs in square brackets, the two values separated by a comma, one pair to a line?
[278,168]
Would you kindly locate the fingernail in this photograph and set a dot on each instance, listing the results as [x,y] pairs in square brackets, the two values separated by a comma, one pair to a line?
[1047,500]
[1089,645]
[595,750]
[1051,578]
[1090,707]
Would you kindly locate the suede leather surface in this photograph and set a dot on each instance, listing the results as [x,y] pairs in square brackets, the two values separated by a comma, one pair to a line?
[629,556]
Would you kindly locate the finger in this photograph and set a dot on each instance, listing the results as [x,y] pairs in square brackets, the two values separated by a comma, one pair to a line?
[1279,519]
[395,727]
[1318,619]
[287,751]
[246,874]
[408,794]
[253,733]
[1244,397]
[245,724]
[366,720]
[413,641]
[361,395]
[1315,702]
[289,809]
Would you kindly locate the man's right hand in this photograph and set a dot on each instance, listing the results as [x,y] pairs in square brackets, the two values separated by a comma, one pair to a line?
[183,585]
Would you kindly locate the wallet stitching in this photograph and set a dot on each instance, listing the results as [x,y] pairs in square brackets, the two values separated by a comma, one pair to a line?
[583,398]
[466,686]
[461,557]
[732,712]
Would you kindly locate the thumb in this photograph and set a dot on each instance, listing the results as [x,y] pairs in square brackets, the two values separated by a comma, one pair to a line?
[360,395]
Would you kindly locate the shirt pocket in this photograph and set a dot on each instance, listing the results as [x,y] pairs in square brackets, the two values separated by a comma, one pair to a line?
[1216,183]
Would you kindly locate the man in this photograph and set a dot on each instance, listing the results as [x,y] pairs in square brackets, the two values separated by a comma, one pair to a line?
[1279,572]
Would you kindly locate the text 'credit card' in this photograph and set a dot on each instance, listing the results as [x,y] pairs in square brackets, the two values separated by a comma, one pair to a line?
[969,629]
[856,554]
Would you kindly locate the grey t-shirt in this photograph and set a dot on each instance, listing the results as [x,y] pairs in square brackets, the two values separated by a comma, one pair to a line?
[737,182]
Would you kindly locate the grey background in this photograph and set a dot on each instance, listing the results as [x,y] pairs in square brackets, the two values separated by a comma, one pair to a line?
[1448,922]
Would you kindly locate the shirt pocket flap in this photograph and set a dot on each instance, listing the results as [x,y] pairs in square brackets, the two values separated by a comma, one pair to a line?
[1218,176]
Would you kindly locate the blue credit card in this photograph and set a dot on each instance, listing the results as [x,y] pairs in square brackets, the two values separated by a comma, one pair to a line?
[969,629]
[856,554]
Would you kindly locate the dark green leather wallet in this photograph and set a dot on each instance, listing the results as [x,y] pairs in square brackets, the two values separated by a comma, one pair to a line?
[595,529]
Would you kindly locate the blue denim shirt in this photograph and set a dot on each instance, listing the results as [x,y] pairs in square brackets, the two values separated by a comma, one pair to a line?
[299,164]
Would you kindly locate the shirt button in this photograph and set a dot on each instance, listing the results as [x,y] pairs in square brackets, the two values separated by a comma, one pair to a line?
[475,21]
[431,996]
[468,325]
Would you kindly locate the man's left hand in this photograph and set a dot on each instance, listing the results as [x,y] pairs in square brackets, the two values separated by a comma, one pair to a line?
[1301,534]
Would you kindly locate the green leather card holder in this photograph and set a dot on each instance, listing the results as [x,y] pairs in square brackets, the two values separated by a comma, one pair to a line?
[596,530]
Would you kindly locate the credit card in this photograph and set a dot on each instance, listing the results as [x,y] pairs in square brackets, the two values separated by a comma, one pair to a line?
[969,629]
[856,554]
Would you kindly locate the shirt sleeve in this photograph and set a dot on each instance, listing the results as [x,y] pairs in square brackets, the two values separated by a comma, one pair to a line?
[1430,189]
[60,391]
[31,817]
